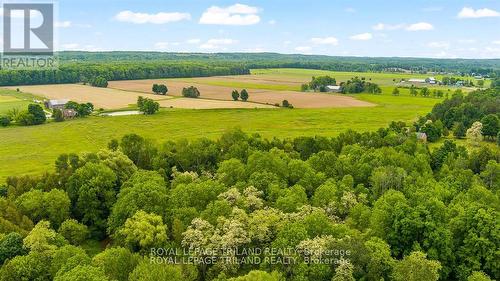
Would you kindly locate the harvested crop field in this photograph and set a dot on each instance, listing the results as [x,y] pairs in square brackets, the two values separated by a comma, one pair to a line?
[209,104]
[100,97]
[270,97]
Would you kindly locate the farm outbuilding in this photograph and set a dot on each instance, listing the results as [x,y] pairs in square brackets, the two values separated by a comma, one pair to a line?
[69,113]
[56,104]
[333,89]
[421,137]
[416,80]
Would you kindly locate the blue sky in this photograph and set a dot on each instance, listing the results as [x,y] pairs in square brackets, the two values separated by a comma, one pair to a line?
[452,28]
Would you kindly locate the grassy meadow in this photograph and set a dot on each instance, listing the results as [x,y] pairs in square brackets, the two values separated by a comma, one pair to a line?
[13,100]
[380,78]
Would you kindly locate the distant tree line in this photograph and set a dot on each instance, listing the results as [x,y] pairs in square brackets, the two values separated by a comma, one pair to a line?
[451,81]
[84,66]
[425,92]
[90,72]
[99,81]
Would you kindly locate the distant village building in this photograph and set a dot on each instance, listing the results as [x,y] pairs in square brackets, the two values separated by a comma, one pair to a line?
[415,80]
[69,113]
[333,89]
[421,136]
[431,80]
[56,104]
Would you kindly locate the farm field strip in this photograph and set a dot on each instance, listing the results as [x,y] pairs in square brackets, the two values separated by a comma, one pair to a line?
[262,96]
[209,104]
[100,97]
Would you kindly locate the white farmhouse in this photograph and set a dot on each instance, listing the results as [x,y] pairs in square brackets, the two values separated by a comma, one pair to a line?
[333,89]
[416,80]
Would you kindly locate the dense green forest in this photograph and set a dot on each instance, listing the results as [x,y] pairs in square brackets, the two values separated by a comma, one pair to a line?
[87,72]
[274,60]
[86,66]
[360,206]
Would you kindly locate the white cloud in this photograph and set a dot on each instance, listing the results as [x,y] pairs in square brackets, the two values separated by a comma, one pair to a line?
[441,45]
[193,41]
[237,14]
[159,18]
[383,26]
[303,48]
[470,13]
[497,42]
[411,27]
[213,44]
[62,24]
[350,10]
[272,22]
[362,36]
[324,41]
[467,41]
[287,42]
[420,26]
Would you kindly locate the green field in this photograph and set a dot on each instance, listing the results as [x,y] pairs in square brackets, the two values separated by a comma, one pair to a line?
[11,99]
[383,79]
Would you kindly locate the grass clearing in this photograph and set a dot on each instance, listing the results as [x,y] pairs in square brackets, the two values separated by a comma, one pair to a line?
[11,99]
[465,143]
